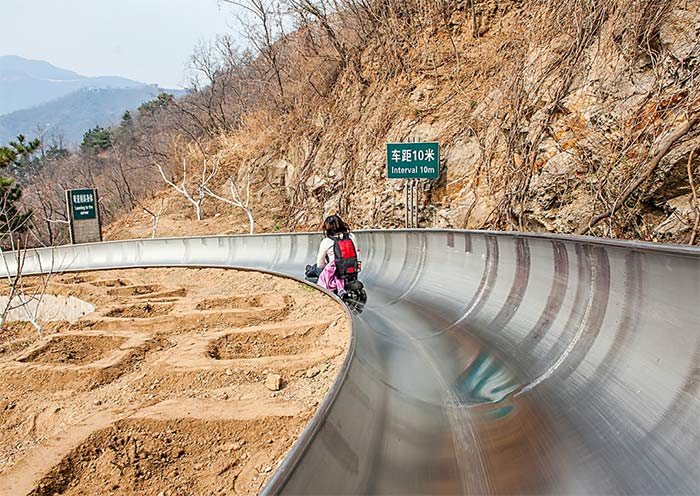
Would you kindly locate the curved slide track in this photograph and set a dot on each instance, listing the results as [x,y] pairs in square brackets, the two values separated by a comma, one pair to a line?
[484,362]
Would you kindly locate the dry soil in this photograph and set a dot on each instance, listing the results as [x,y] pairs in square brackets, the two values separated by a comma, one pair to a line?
[164,389]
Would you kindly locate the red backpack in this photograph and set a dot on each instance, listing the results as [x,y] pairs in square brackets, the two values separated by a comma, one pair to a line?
[346,264]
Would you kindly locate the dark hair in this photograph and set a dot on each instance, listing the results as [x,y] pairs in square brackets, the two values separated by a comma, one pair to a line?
[334,225]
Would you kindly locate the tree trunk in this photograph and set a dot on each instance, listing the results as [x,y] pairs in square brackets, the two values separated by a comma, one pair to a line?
[250,219]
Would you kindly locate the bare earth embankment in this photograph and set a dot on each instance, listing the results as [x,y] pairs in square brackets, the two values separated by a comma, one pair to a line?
[169,387]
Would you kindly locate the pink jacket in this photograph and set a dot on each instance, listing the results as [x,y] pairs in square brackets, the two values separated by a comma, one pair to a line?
[329,280]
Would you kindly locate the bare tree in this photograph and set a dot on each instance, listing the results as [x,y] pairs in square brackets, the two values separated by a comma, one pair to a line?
[21,295]
[197,197]
[218,69]
[321,11]
[237,200]
[264,32]
[155,215]
[48,211]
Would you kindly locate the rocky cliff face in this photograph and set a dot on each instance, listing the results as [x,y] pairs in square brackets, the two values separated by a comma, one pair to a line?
[546,120]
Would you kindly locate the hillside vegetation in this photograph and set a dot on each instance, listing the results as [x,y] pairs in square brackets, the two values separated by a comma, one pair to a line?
[562,116]
[70,116]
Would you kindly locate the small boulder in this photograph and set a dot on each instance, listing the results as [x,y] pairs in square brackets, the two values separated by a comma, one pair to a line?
[273,382]
[312,372]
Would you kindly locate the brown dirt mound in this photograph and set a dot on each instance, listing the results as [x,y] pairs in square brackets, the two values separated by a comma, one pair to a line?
[15,346]
[76,279]
[75,350]
[187,456]
[247,301]
[144,310]
[166,295]
[109,283]
[142,289]
[60,375]
[255,344]
[15,337]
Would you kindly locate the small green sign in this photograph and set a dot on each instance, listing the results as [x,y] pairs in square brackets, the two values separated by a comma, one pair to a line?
[412,160]
[83,204]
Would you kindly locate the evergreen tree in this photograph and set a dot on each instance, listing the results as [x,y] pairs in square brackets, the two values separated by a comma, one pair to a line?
[55,152]
[152,106]
[96,140]
[17,154]
[11,219]
[127,120]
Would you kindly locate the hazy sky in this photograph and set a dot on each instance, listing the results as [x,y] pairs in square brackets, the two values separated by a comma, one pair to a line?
[145,40]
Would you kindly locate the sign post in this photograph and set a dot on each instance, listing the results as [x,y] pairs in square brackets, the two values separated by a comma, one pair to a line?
[412,162]
[84,215]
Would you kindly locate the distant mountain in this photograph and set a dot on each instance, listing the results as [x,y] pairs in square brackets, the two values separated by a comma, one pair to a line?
[73,114]
[26,83]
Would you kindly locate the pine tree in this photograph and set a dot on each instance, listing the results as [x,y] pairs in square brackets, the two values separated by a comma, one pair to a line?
[160,102]
[96,140]
[17,154]
[127,120]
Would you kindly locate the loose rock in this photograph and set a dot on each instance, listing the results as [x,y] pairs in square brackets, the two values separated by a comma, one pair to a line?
[312,372]
[273,382]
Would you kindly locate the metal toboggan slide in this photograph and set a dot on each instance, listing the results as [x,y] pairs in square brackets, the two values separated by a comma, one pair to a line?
[484,362]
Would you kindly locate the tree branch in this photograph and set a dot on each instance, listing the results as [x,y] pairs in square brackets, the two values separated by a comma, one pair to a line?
[665,147]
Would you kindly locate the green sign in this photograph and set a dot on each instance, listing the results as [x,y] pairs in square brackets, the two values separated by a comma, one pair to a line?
[412,160]
[83,203]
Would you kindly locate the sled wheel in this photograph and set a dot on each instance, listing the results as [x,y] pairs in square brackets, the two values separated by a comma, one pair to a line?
[355,300]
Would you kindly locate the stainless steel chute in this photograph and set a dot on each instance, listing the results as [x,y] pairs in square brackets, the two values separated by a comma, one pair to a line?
[486,363]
